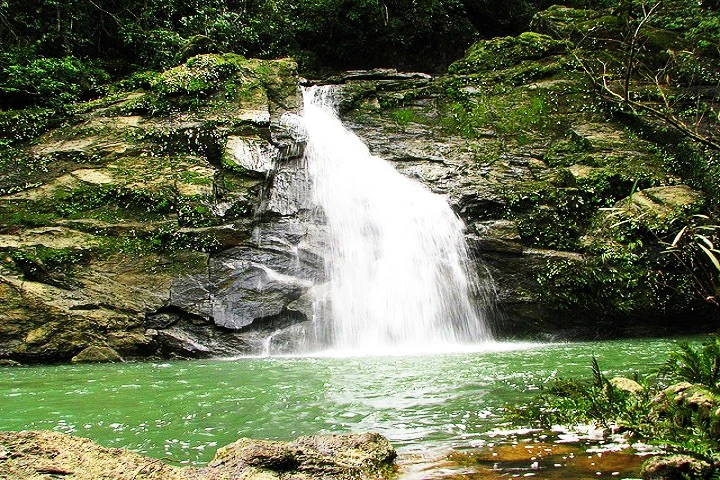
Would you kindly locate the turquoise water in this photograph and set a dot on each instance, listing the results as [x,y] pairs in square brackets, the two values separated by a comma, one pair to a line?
[184,410]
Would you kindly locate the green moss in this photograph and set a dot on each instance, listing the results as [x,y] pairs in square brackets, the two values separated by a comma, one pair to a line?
[76,202]
[610,286]
[498,53]
[20,170]
[580,25]
[202,139]
[405,116]
[49,258]
[519,115]
[628,268]
[194,178]
[278,77]
[103,202]
[551,216]
[196,211]
[558,210]
[200,75]
[167,240]
[571,150]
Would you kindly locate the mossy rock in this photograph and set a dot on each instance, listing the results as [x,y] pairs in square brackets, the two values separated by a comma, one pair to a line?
[97,354]
[675,467]
[661,204]
[627,385]
[578,25]
[27,455]
[201,74]
[504,52]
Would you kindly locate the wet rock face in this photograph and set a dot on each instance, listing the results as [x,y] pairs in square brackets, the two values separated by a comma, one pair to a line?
[28,455]
[251,284]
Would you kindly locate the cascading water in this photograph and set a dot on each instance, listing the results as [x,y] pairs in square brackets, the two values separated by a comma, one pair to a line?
[400,278]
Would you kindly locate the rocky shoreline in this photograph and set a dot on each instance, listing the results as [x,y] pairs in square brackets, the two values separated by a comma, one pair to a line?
[44,455]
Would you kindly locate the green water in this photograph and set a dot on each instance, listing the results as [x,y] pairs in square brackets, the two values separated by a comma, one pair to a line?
[184,410]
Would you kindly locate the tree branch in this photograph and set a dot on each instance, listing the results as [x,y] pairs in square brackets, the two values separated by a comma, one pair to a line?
[600,81]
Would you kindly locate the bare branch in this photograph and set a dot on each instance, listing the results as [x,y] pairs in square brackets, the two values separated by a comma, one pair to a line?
[600,81]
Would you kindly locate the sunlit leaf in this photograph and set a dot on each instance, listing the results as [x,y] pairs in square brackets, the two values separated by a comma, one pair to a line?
[711,256]
[705,240]
[678,236]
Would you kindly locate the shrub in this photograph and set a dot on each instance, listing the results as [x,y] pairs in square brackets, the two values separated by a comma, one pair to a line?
[51,81]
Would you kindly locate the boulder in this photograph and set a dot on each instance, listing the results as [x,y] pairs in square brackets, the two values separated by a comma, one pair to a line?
[97,354]
[596,27]
[675,467]
[339,457]
[33,455]
[685,404]
[627,385]
[660,203]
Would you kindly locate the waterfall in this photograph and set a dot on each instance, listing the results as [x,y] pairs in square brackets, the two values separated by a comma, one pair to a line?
[400,277]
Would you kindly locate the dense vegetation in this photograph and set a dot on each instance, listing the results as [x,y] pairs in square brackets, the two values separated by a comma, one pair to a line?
[69,49]
[54,52]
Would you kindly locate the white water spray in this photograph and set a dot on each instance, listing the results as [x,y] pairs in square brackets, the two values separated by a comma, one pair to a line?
[399,271]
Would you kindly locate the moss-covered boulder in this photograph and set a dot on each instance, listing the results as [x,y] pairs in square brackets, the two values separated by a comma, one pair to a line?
[97,354]
[504,52]
[661,204]
[580,25]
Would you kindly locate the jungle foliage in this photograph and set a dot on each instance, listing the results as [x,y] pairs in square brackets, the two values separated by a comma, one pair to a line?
[54,52]
[60,51]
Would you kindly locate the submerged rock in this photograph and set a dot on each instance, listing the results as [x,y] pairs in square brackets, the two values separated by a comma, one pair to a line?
[29,455]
